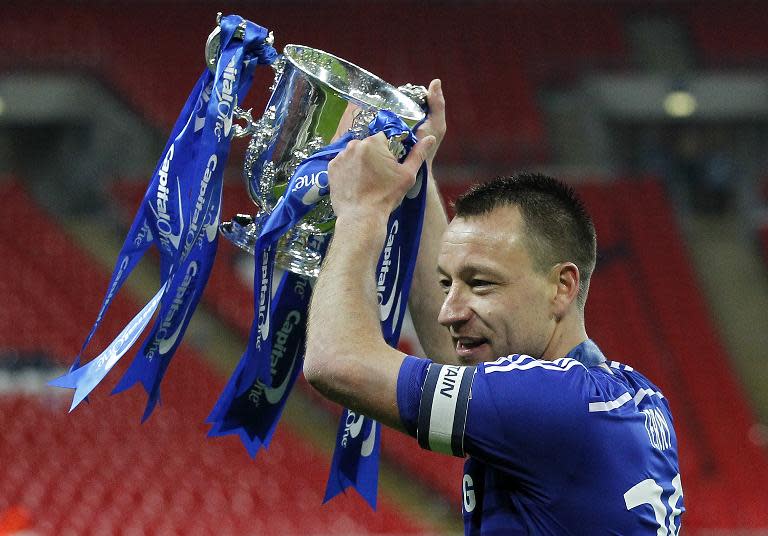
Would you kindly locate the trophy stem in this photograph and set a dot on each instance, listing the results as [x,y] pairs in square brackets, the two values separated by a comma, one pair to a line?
[296,255]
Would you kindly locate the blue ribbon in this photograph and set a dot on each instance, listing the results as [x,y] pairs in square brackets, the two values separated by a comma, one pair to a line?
[245,407]
[356,456]
[180,214]
[289,307]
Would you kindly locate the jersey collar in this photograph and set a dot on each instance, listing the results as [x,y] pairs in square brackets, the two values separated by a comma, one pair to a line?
[587,353]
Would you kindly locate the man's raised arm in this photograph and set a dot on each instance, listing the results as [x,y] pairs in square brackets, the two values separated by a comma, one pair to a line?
[426,296]
[347,358]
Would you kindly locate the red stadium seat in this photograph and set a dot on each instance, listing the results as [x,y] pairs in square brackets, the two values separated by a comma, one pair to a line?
[97,470]
[493,110]
[730,34]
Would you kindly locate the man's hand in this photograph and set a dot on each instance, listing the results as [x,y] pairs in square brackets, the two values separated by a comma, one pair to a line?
[435,123]
[365,178]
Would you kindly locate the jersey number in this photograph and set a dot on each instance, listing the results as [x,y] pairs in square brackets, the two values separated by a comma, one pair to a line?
[649,492]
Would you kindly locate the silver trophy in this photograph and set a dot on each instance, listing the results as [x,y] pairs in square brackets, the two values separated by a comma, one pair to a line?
[316,98]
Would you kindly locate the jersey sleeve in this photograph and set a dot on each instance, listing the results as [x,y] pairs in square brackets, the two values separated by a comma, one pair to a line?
[409,383]
[432,399]
[506,412]
[524,413]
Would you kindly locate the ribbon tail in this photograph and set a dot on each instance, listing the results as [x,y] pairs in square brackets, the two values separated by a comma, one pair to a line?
[84,379]
[335,485]
[235,414]
[221,405]
[252,444]
[76,364]
[367,484]
[250,405]
[357,465]
[338,481]
[152,401]
[132,376]
[75,380]
[231,415]
[222,428]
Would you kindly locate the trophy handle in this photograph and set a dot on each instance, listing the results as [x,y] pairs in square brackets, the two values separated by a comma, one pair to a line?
[213,43]
[242,231]
[262,132]
[416,93]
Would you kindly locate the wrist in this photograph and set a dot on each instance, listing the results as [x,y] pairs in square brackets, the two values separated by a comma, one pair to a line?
[364,223]
[361,235]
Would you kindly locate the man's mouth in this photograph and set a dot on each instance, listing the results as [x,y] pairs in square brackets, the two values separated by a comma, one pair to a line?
[469,348]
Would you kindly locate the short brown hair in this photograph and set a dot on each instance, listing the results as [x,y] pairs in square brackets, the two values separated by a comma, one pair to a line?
[558,227]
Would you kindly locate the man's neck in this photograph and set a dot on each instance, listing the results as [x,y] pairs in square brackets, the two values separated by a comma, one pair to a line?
[568,334]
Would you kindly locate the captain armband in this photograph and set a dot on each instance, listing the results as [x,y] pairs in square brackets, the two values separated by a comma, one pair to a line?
[443,408]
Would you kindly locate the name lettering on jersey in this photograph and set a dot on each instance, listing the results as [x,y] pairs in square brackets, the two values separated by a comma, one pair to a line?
[657,428]
[468,489]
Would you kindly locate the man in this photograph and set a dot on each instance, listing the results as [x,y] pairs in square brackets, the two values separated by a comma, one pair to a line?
[559,440]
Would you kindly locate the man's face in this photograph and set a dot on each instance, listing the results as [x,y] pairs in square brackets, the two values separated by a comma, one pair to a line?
[496,303]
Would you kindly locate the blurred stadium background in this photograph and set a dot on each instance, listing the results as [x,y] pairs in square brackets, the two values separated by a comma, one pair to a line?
[656,111]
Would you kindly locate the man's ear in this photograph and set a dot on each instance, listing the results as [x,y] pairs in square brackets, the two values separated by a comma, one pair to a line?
[565,276]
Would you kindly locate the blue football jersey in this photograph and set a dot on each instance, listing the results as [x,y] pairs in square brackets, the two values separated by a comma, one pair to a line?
[572,446]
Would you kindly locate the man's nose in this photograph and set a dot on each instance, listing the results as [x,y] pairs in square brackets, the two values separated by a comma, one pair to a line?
[455,309]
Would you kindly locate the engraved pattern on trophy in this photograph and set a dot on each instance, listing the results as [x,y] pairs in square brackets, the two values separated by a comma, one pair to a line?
[311,96]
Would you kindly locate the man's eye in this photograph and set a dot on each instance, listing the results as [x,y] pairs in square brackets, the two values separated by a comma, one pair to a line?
[474,283]
[445,284]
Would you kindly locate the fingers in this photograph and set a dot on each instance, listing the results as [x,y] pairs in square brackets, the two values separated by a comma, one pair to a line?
[435,123]
[374,150]
[436,100]
[418,154]
[379,144]
[435,96]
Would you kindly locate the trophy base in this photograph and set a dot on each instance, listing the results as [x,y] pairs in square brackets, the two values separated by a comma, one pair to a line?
[242,231]
[294,252]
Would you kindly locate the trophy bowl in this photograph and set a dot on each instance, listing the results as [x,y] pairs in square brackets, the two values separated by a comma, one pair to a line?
[316,98]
